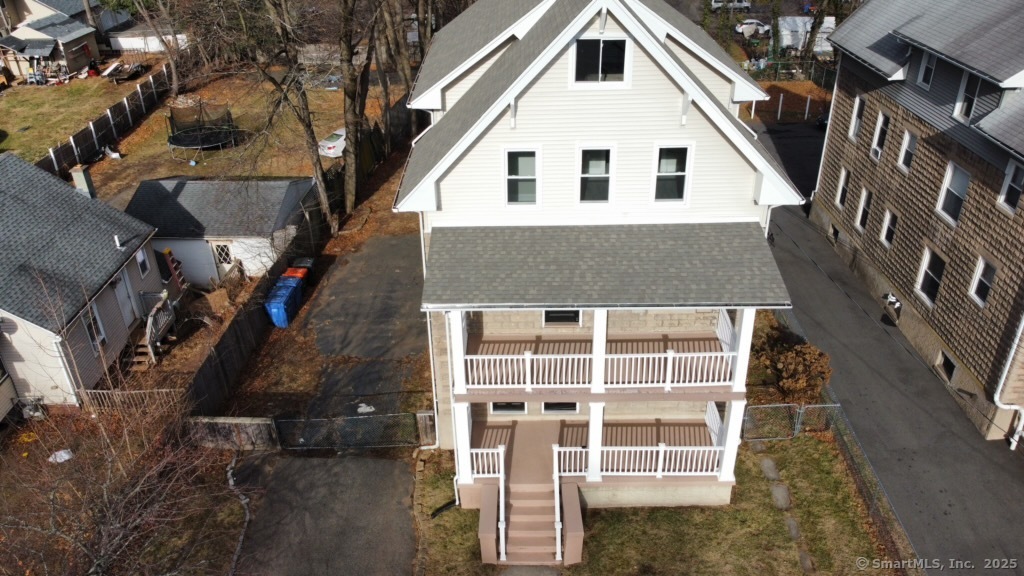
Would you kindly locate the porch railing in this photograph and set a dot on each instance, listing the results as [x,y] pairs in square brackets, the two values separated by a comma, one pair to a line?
[528,371]
[657,461]
[726,331]
[714,422]
[668,369]
[490,463]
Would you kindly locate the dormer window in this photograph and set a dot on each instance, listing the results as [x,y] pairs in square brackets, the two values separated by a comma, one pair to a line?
[600,60]
[924,77]
[968,97]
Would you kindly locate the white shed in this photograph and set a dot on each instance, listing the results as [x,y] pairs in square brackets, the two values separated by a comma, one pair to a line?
[795,30]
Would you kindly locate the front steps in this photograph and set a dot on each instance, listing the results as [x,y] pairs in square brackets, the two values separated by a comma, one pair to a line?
[531,525]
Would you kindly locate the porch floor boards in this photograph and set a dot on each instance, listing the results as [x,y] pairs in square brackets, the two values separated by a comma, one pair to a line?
[516,345]
[537,437]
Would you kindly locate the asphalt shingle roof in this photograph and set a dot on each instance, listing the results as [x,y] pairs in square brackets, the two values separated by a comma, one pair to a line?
[865,34]
[60,27]
[57,247]
[1006,124]
[68,7]
[466,35]
[226,209]
[656,265]
[23,47]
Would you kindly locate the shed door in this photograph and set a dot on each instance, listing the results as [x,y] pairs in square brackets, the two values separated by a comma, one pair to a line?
[222,257]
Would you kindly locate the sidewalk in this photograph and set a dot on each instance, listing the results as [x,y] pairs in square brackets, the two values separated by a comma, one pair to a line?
[958,496]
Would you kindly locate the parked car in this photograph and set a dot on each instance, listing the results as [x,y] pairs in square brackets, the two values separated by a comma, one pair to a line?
[757,25]
[334,145]
[742,5]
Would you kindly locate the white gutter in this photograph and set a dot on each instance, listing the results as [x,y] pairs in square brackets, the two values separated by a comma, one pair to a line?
[1015,437]
[430,346]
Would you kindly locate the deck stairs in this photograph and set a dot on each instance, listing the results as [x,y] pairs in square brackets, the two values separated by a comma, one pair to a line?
[531,510]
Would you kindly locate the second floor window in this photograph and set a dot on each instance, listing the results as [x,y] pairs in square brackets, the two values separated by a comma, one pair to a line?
[595,175]
[858,116]
[1013,186]
[924,77]
[142,259]
[908,150]
[954,192]
[968,97]
[521,177]
[600,60]
[865,209]
[984,278]
[844,182]
[671,176]
[889,228]
[930,276]
[881,132]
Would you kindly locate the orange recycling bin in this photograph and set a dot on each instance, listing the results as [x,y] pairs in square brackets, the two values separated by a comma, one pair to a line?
[296,273]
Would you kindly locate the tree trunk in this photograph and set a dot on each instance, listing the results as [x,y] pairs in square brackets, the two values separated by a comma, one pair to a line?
[403,59]
[423,25]
[808,51]
[356,86]
[142,9]
[90,18]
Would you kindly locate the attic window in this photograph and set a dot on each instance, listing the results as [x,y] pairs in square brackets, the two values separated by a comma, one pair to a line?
[600,60]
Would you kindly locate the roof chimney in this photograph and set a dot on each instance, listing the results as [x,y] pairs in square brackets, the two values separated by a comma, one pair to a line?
[80,176]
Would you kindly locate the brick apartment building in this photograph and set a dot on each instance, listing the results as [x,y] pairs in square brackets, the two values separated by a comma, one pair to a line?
[921,183]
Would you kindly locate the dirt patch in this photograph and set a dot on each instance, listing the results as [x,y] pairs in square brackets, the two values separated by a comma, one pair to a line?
[794,95]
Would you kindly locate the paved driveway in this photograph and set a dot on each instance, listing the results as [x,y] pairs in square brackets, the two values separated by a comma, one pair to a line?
[329,516]
[958,496]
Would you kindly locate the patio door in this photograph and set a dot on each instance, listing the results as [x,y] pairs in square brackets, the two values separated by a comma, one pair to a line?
[123,291]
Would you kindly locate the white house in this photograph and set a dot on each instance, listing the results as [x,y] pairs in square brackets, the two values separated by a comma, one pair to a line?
[214,226]
[593,218]
[78,281]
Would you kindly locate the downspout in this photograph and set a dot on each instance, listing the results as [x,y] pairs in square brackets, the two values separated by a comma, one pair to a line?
[64,368]
[1015,437]
[430,346]
[448,336]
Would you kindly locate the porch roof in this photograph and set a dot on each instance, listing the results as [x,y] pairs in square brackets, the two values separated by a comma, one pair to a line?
[649,265]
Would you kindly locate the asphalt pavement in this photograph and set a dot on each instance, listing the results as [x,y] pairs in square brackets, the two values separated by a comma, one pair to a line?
[958,496]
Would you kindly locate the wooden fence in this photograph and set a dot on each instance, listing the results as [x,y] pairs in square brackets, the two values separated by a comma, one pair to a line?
[108,128]
[129,401]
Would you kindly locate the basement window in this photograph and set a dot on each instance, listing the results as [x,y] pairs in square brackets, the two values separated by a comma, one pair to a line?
[508,407]
[560,408]
[561,317]
[946,366]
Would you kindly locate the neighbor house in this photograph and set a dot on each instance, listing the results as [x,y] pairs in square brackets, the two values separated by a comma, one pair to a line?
[921,183]
[215,227]
[17,12]
[48,44]
[593,219]
[78,282]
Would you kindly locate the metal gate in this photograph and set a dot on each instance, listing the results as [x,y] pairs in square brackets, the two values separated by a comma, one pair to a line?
[785,421]
[376,431]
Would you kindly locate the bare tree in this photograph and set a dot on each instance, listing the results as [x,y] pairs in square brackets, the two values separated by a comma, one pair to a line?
[158,16]
[356,31]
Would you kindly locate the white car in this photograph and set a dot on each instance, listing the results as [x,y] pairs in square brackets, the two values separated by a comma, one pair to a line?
[753,25]
[334,145]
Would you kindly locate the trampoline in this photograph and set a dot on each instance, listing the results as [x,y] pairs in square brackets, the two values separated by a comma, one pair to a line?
[194,129]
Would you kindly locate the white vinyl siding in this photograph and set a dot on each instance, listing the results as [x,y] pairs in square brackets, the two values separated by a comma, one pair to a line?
[31,360]
[562,121]
[715,81]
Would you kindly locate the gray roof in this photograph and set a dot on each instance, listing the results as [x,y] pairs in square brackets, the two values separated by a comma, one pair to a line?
[865,34]
[68,7]
[60,27]
[466,35]
[696,34]
[436,142]
[983,36]
[28,48]
[651,265]
[218,209]
[1006,124]
[57,248]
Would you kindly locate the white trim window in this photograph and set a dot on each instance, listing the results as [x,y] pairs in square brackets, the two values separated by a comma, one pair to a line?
[142,259]
[927,71]
[508,407]
[595,174]
[864,209]
[562,318]
[857,118]
[888,228]
[967,98]
[601,60]
[522,181]
[981,284]
[670,171]
[94,327]
[560,408]
[907,150]
[842,191]
[929,277]
[954,192]
[1013,186]
[881,132]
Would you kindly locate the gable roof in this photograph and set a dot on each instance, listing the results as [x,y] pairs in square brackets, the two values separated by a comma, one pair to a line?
[57,248]
[649,265]
[68,7]
[484,23]
[59,27]
[28,48]
[437,148]
[180,208]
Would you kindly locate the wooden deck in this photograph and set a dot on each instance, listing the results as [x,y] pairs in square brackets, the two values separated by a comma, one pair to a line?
[671,432]
[635,344]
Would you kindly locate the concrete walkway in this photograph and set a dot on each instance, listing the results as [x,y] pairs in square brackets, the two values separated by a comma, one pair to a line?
[958,496]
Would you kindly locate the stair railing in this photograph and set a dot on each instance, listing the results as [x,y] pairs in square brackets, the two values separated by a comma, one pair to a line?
[558,504]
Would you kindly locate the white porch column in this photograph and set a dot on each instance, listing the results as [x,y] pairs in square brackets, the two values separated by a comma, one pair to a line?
[595,441]
[744,334]
[463,430]
[457,341]
[732,427]
[598,349]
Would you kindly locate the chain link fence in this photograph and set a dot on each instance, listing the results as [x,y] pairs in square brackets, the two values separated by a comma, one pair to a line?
[785,421]
[377,431]
[821,73]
